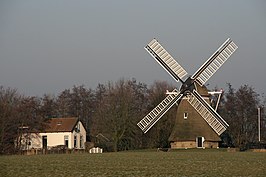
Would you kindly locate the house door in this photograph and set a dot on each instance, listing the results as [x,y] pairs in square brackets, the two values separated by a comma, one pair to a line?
[44,142]
[199,142]
[66,140]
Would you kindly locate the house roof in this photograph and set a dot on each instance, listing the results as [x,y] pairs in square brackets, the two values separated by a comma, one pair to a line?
[62,124]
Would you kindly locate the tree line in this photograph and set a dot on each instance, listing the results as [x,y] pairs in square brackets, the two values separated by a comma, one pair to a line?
[111,111]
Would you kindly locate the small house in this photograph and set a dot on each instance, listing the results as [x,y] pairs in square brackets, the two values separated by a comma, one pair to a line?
[68,132]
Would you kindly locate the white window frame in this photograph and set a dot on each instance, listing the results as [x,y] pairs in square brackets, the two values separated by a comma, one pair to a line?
[185,115]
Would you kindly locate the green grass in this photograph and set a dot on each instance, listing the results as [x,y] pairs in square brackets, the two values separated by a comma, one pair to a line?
[137,163]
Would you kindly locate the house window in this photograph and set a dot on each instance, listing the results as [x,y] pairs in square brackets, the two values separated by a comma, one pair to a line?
[77,129]
[75,141]
[185,115]
[44,142]
[81,142]
[66,140]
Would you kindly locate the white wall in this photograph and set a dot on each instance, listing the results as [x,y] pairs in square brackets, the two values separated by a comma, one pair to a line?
[53,139]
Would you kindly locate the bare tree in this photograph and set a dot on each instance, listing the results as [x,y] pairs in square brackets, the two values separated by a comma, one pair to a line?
[63,103]
[9,99]
[82,104]
[159,134]
[118,110]
[77,102]
[263,120]
[241,114]
[48,106]
[17,115]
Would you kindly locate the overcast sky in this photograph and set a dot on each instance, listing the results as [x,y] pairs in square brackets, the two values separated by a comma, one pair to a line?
[50,45]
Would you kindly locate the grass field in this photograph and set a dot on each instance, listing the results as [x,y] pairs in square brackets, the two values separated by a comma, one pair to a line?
[137,163]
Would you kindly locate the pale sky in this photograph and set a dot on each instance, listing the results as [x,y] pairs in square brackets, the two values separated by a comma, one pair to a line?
[50,45]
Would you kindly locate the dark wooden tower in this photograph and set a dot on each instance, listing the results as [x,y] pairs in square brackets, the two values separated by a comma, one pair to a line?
[190,130]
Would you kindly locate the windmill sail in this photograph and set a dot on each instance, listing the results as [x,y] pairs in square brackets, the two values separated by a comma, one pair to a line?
[165,60]
[149,120]
[215,62]
[215,121]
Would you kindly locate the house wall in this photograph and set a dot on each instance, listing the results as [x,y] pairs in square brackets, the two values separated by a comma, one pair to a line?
[53,139]
[80,144]
[31,140]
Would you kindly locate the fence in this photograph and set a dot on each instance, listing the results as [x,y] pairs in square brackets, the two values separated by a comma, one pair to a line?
[96,150]
[51,151]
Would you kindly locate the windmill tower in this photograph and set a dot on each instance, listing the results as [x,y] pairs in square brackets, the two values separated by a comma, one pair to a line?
[197,123]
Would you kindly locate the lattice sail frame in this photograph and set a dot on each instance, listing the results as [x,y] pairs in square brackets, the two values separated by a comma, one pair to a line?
[216,122]
[166,60]
[219,57]
[150,119]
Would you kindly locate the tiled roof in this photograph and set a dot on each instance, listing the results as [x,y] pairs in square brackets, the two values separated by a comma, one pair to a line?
[61,124]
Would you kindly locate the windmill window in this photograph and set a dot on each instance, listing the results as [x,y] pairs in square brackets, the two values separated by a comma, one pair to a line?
[185,115]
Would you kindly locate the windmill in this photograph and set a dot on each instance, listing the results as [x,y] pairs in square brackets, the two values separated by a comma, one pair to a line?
[191,98]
